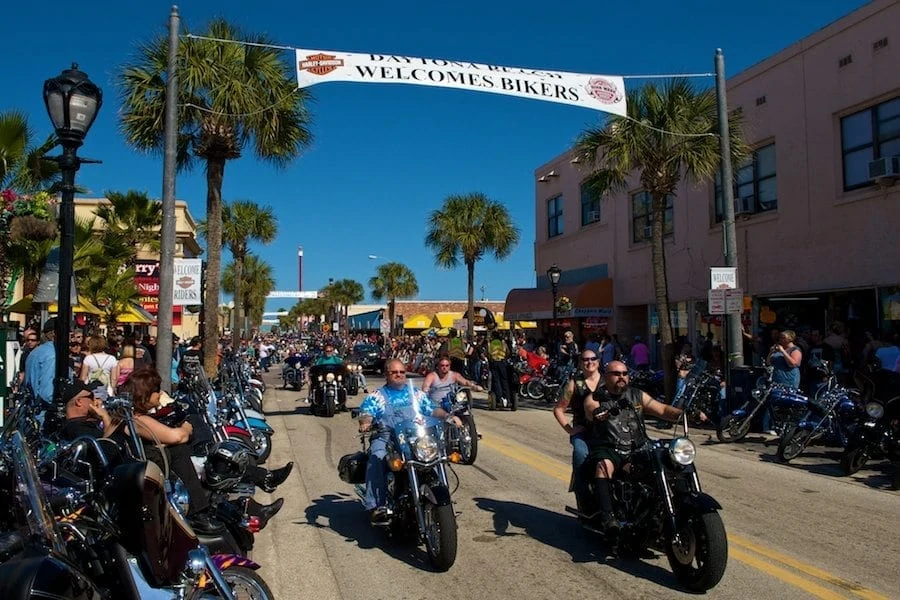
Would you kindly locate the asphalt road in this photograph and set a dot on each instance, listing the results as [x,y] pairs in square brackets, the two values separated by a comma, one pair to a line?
[795,531]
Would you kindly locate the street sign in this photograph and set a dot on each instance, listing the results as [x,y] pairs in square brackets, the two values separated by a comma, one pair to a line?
[717,302]
[722,277]
[385,326]
[734,301]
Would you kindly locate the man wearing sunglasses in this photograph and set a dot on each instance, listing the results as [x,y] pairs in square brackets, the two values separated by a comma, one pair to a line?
[614,415]
[394,402]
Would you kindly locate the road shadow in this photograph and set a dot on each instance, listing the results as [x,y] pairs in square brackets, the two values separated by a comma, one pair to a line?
[564,533]
[343,514]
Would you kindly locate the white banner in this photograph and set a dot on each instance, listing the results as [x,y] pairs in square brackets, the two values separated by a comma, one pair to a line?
[599,92]
[188,277]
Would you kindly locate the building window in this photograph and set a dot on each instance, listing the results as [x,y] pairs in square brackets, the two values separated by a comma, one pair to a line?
[590,207]
[642,216]
[755,186]
[554,216]
[867,135]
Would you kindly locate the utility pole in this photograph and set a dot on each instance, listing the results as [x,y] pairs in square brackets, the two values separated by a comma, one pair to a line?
[729,234]
[167,235]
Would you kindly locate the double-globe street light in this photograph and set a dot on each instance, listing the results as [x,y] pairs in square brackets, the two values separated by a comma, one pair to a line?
[72,101]
[553,274]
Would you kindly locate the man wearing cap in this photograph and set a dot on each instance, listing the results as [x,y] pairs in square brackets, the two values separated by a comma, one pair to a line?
[40,368]
[85,414]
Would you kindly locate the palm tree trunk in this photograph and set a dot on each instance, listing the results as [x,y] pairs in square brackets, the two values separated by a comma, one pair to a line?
[391,302]
[661,290]
[215,172]
[238,313]
[470,321]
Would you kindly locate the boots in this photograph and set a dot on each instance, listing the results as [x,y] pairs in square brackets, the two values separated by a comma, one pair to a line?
[603,496]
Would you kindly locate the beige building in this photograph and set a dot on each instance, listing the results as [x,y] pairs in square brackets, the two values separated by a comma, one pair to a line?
[818,208]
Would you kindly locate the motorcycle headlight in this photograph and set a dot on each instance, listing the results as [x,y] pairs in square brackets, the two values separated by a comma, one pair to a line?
[426,448]
[329,377]
[461,396]
[682,451]
[320,378]
[875,410]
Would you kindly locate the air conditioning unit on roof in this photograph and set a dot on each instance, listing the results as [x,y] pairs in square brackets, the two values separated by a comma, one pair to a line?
[886,168]
[593,215]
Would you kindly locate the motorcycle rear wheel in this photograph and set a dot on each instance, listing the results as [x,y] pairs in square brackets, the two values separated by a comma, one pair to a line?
[854,459]
[440,536]
[699,562]
[792,443]
[733,429]
[468,448]
[534,389]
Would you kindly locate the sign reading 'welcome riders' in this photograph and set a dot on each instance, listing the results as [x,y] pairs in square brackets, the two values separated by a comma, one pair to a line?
[599,92]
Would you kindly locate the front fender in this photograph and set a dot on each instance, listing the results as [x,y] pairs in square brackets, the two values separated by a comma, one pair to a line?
[260,425]
[438,495]
[703,503]
[223,561]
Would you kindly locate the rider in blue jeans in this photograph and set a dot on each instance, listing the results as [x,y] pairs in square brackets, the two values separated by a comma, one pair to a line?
[579,387]
[396,401]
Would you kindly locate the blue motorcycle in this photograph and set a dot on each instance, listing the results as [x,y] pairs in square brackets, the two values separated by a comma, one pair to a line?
[831,419]
[786,406]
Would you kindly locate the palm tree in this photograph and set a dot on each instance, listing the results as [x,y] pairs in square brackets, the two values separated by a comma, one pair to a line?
[242,222]
[133,219]
[21,167]
[464,230]
[230,96]
[343,293]
[670,131]
[393,280]
[257,280]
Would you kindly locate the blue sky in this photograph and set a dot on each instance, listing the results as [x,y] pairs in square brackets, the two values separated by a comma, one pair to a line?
[385,156]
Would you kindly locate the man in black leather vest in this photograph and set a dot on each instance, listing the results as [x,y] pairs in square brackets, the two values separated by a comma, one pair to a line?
[615,414]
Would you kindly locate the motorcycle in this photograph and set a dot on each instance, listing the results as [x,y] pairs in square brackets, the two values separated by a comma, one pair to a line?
[878,436]
[786,407]
[464,440]
[293,375]
[354,379]
[701,392]
[648,381]
[327,391]
[832,417]
[419,504]
[659,504]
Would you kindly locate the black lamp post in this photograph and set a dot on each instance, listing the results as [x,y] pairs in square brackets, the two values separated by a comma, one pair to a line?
[72,102]
[553,274]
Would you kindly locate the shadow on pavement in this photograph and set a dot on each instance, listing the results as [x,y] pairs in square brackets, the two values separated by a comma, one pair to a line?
[346,517]
[563,532]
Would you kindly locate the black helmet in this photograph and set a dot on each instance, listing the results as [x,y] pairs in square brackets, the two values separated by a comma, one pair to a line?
[226,465]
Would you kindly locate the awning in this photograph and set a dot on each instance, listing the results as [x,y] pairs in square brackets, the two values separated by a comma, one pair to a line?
[445,319]
[366,321]
[590,299]
[26,306]
[417,322]
[136,315]
[505,325]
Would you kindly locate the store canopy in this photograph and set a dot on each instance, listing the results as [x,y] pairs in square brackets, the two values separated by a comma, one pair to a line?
[26,306]
[365,321]
[445,319]
[504,325]
[136,315]
[591,299]
[417,322]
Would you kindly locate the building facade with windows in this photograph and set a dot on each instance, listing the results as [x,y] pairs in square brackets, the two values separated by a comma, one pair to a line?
[818,210]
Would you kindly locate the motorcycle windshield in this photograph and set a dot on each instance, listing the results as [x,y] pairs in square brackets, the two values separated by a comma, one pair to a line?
[30,496]
[409,431]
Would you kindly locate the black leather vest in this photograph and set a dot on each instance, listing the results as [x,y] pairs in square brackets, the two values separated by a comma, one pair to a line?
[623,429]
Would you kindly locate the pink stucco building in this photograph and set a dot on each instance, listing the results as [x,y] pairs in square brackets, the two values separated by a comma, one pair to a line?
[816,235]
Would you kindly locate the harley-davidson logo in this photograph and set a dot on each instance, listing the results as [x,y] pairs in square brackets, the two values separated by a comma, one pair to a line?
[603,90]
[185,282]
[321,64]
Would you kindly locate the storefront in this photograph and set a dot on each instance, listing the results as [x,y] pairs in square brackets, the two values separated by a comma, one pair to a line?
[591,313]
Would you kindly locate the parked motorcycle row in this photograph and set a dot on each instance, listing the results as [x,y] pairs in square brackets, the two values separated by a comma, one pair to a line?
[92,518]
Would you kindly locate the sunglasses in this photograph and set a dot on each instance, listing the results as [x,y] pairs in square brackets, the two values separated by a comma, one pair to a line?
[588,359]
[32,340]
[618,373]
[397,372]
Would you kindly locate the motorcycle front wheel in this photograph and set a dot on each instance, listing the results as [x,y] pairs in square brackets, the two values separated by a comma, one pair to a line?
[440,536]
[792,444]
[733,429]
[254,401]
[246,584]
[699,560]
[468,440]
[534,389]
[263,446]
[854,459]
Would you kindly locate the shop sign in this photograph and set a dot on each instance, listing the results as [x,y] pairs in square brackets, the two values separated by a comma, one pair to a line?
[600,323]
[722,277]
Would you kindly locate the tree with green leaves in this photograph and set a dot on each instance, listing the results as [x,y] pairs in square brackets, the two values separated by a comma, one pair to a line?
[341,294]
[21,167]
[466,228]
[243,222]
[257,281]
[671,131]
[133,221]
[230,96]
[393,280]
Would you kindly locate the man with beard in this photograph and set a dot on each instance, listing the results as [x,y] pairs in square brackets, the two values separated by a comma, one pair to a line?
[615,428]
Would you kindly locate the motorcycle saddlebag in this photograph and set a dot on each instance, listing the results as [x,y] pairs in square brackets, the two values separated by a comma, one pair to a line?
[352,467]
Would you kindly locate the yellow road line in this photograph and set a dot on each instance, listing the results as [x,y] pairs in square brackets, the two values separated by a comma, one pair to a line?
[562,471]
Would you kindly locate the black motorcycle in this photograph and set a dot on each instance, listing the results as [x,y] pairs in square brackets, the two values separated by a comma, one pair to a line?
[659,504]
[464,440]
[420,507]
[328,389]
[878,436]
[292,374]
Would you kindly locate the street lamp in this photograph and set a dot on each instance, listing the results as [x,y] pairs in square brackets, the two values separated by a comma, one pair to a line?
[72,101]
[553,274]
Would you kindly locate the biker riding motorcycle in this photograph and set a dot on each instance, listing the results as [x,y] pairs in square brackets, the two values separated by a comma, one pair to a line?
[443,380]
[614,413]
[329,357]
[396,401]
